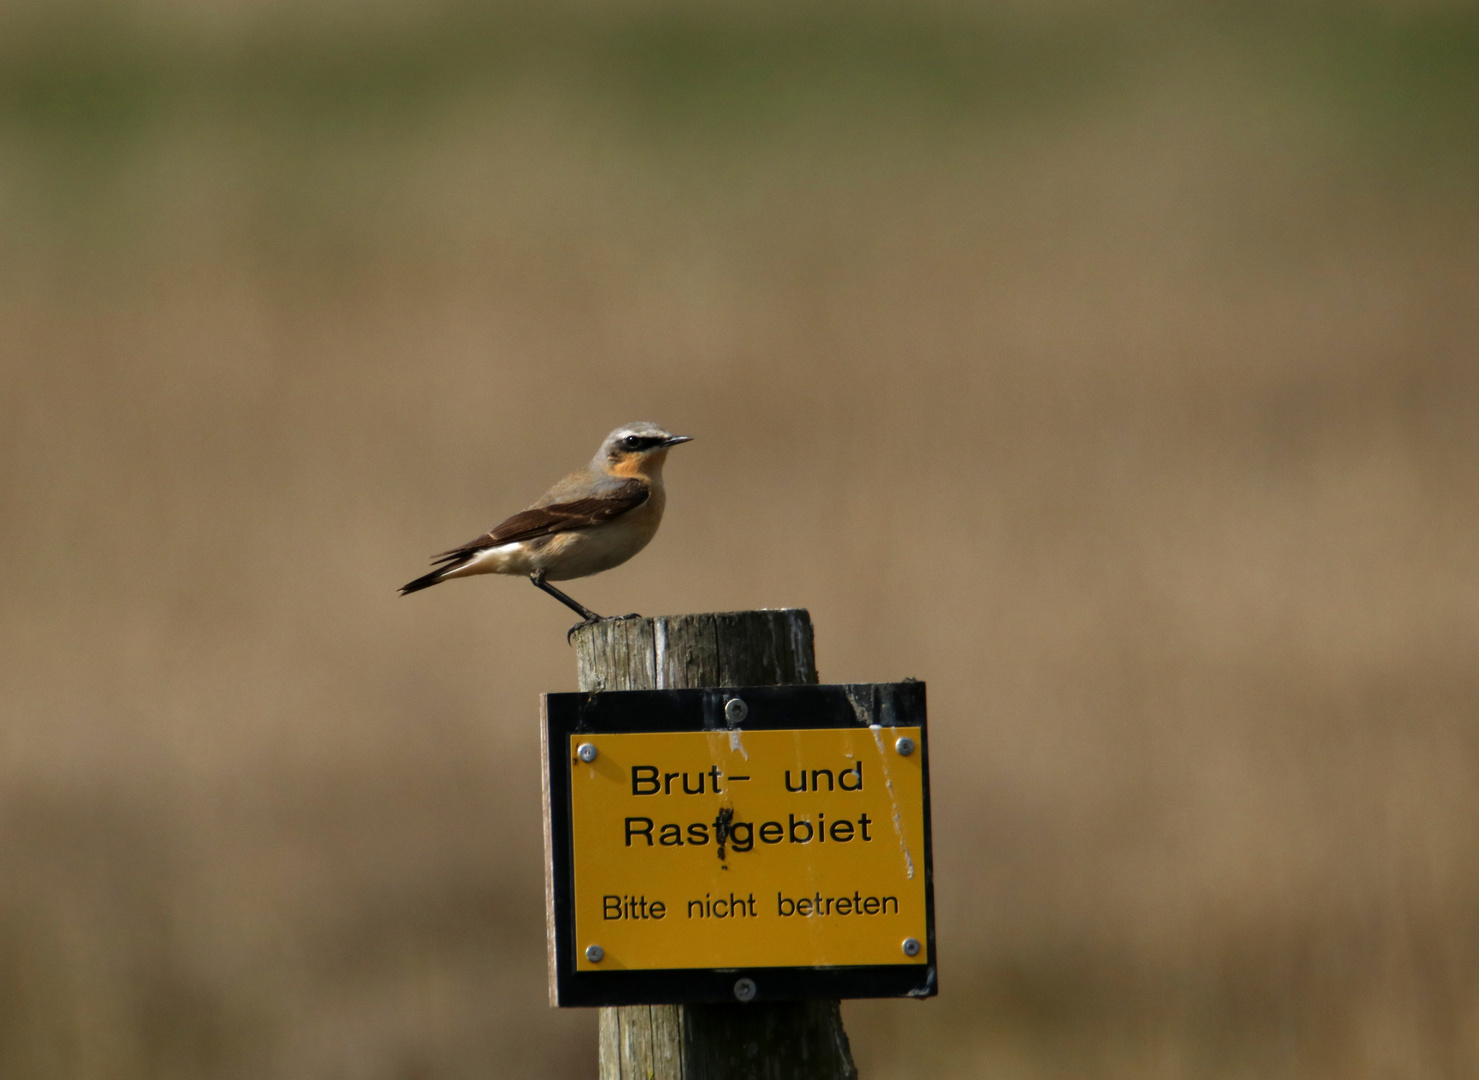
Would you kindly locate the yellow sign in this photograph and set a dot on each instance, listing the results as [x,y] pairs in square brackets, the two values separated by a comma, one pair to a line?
[719,849]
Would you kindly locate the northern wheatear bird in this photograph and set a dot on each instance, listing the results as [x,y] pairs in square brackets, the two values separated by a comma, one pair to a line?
[592,520]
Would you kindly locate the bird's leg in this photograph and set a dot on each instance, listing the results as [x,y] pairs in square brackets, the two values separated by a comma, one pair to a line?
[588,617]
[580,609]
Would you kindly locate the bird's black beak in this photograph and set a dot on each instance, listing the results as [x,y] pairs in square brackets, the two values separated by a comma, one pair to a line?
[674,440]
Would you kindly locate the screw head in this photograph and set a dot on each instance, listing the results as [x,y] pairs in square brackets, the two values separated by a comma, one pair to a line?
[911,946]
[745,989]
[905,746]
[594,953]
[586,752]
[735,710]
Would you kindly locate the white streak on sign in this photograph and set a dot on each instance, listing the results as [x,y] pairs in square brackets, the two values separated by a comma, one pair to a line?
[893,800]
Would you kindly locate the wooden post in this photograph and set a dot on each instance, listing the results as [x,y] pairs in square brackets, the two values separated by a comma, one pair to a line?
[786,1040]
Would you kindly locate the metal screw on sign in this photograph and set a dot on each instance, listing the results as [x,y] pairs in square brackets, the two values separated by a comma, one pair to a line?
[586,752]
[594,953]
[735,711]
[744,989]
[905,746]
[911,946]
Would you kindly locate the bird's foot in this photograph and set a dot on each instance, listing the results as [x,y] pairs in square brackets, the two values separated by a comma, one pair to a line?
[570,634]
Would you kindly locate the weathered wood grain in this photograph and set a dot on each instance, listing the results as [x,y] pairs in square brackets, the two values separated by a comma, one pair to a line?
[801,1040]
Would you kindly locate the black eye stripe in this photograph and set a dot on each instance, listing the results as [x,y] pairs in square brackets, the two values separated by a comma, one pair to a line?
[641,442]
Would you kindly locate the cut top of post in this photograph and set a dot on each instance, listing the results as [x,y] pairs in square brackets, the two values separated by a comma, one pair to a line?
[679,652]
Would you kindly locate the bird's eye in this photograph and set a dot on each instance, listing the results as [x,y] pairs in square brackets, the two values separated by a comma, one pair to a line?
[632,442]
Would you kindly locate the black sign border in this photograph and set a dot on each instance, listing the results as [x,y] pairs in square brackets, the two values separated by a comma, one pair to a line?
[850,705]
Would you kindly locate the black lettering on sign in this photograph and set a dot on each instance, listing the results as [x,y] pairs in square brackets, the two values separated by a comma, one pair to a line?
[856,904]
[736,907]
[650,780]
[740,836]
[845,779]
[631,907]
[642,776]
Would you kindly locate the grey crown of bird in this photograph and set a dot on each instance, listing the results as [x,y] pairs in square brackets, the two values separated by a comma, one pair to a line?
[595,518]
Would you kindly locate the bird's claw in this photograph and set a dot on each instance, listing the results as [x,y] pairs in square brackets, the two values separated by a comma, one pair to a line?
[570,634]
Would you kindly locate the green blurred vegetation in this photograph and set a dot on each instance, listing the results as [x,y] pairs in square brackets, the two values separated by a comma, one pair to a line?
[726,72]
[290,103]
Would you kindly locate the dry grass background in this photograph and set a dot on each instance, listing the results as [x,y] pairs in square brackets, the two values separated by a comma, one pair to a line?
[1111,367]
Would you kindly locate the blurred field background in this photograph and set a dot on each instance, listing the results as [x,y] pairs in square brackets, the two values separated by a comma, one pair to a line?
[1114,367]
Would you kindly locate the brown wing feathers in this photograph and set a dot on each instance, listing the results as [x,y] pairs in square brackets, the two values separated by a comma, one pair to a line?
[546,520]
[539,521]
